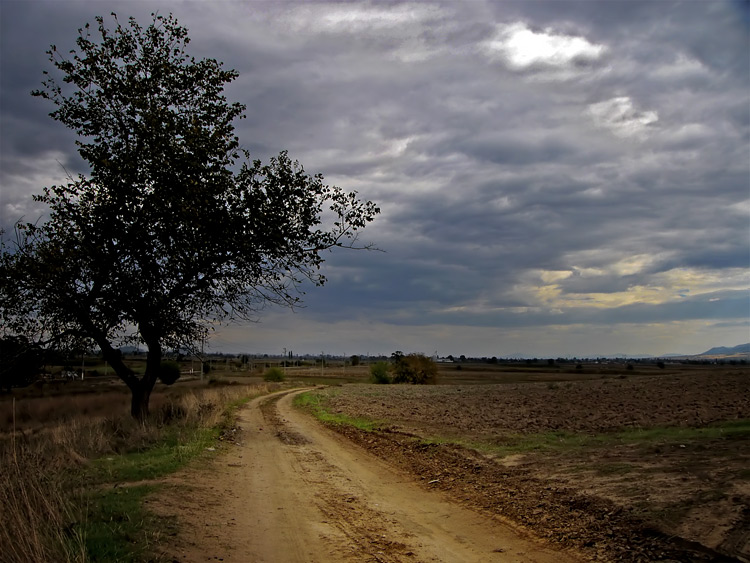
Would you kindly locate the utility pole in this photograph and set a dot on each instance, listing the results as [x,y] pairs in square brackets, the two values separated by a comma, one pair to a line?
[203,341]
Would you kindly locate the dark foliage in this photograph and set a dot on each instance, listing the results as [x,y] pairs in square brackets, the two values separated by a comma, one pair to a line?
[20,362]
[414,368]
[169,372]
[175,228]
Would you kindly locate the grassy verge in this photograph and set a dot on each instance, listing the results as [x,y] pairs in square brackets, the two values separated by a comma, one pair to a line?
[76,493]
[314,403]
[117,527]
[166,456]
[562,441]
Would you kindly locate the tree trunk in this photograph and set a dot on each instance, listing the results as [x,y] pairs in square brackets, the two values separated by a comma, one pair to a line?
[139,401]
[141,391]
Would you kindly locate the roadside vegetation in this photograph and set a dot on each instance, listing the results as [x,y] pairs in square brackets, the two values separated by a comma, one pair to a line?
[315,404]
[274,374]
[74,491]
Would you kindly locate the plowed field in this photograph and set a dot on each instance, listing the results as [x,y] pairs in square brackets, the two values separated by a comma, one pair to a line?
[628,468]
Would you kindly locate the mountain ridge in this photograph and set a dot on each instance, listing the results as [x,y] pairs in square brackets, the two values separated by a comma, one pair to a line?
[727,351]
[741,351]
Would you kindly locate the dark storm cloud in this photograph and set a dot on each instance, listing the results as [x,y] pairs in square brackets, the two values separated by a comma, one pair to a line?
[537,163]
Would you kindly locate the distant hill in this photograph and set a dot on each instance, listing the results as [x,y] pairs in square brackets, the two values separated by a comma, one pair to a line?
[740,350]
[723,350]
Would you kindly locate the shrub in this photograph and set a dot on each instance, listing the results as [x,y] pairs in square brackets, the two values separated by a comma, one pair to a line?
[416,369]
[274,374]
[379,373]
[21,362]
[169,372]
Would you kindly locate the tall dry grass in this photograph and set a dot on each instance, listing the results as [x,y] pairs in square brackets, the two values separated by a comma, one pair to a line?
[42,504]
[39,517]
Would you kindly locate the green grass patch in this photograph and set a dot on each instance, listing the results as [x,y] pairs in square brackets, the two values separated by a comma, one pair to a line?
[315,403]
[117,525]
[562,441]
[163,458]
[118,528]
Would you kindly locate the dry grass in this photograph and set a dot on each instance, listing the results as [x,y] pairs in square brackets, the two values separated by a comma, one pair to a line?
[37,515]
[40,491]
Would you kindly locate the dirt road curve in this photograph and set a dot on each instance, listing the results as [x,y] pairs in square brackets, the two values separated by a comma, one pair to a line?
[292,491]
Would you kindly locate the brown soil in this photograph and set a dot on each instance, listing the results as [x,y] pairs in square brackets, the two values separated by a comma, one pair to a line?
[599,405]
[291,490]
[664,498]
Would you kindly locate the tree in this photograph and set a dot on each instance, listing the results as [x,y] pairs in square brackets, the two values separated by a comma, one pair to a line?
[175,228]
[417,369]
[379,373]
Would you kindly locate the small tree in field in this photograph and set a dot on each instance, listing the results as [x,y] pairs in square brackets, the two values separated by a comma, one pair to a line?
[174,229]
[379,373]
[274,374]
[417,369]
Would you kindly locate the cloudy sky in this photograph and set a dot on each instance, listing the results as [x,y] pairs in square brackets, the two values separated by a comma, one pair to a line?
[556,178]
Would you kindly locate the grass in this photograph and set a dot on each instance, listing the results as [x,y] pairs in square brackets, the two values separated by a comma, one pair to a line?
[160,459]
[118,528]
[561,441]
[315,404]
[74,493]
[37,515]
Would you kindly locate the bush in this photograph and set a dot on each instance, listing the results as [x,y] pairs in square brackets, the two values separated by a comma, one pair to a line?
[169,372]
[274,374]
[416,369]
[379,373]
[21,362]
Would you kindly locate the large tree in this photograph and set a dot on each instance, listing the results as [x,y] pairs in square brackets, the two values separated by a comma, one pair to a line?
[174,228]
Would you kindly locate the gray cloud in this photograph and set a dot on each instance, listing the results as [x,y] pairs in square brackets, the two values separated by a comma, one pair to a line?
[591,170]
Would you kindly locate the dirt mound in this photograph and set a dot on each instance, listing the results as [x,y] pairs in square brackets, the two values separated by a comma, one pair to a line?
[563,516]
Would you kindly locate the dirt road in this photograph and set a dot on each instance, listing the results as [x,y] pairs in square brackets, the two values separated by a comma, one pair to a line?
[292,491]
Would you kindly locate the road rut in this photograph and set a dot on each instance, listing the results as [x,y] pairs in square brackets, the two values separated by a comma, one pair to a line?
[293,491]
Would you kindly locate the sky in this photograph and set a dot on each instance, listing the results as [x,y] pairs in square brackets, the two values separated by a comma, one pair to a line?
[555,178]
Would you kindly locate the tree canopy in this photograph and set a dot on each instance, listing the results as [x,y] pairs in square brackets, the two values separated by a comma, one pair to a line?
[175,228]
